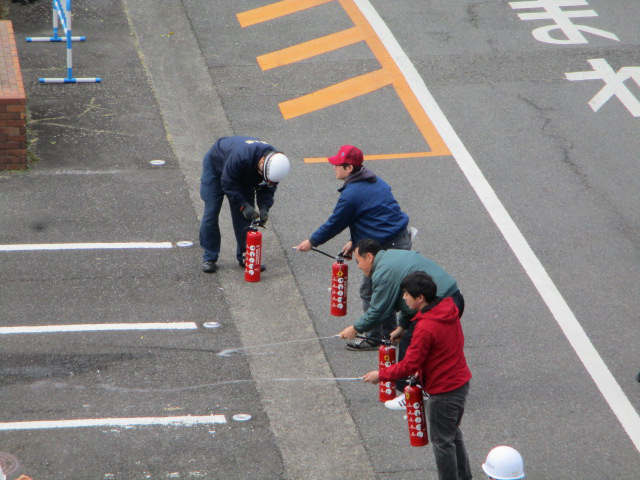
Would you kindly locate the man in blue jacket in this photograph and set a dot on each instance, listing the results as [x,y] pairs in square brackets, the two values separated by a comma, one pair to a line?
[368,208]
[247,171]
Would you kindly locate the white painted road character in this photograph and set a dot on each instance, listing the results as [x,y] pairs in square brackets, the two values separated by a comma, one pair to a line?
[614,84]
[553,11]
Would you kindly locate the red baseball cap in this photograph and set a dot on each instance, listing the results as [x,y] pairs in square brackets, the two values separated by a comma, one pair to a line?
[347,154]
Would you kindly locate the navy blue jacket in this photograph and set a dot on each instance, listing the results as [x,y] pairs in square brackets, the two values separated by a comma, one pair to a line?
[367,206]
[234,160]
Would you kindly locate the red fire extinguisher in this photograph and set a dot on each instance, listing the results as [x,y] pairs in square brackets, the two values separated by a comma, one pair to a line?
[253,254]
[418,436]
[386,358]
[339,281]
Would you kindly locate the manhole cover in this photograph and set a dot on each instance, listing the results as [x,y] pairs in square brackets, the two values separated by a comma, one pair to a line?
[241,417]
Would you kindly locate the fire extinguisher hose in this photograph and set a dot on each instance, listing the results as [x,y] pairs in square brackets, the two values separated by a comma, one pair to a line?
[340,255]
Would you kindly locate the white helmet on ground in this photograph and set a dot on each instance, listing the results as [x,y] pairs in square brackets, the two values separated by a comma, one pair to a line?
[276,167]
[504,463]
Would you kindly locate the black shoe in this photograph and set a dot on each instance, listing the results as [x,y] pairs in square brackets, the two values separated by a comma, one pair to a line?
[209,267]
[362,345]
[241,265]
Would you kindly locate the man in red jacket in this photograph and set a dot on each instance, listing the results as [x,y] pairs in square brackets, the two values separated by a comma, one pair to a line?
[436,355]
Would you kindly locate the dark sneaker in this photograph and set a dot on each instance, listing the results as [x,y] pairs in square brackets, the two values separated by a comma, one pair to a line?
[241,265]
[362,344]
[209,267]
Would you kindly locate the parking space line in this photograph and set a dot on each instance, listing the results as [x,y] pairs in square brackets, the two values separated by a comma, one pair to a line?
[275,10]
[100,327]
[186,421]
[566,320]
[83,246]
[79,172]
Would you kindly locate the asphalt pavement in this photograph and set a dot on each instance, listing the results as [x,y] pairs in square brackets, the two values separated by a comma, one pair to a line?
[94,183]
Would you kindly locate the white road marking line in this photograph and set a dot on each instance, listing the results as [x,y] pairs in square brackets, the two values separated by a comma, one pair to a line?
[114,422]
[563,315]
[80,172]
[99,327]
[83,246]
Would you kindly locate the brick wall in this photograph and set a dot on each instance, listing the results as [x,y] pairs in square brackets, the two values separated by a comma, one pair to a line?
[13,114]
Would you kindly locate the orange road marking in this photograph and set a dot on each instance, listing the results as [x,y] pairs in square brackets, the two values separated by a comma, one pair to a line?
[310,49]
[338,93]
[276,10]
[380,156]
[411,103]
[390,74]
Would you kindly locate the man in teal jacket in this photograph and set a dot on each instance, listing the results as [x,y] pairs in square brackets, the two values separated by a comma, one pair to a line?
[387,268]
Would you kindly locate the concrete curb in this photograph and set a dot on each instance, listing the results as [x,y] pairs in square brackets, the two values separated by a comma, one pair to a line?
[315,432]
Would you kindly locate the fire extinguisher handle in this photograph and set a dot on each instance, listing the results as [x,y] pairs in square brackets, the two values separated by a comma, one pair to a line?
[255,224]
[365,337]
[413,381]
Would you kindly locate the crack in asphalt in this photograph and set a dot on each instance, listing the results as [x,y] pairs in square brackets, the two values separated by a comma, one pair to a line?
[566,145]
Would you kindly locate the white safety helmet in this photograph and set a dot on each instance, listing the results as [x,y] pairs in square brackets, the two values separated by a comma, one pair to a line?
[504,463]
[276,167]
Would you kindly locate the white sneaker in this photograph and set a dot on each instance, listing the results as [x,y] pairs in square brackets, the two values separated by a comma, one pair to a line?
[398,403]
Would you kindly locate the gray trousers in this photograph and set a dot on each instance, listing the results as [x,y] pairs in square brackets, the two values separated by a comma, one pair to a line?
[445,412]
[389,324]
